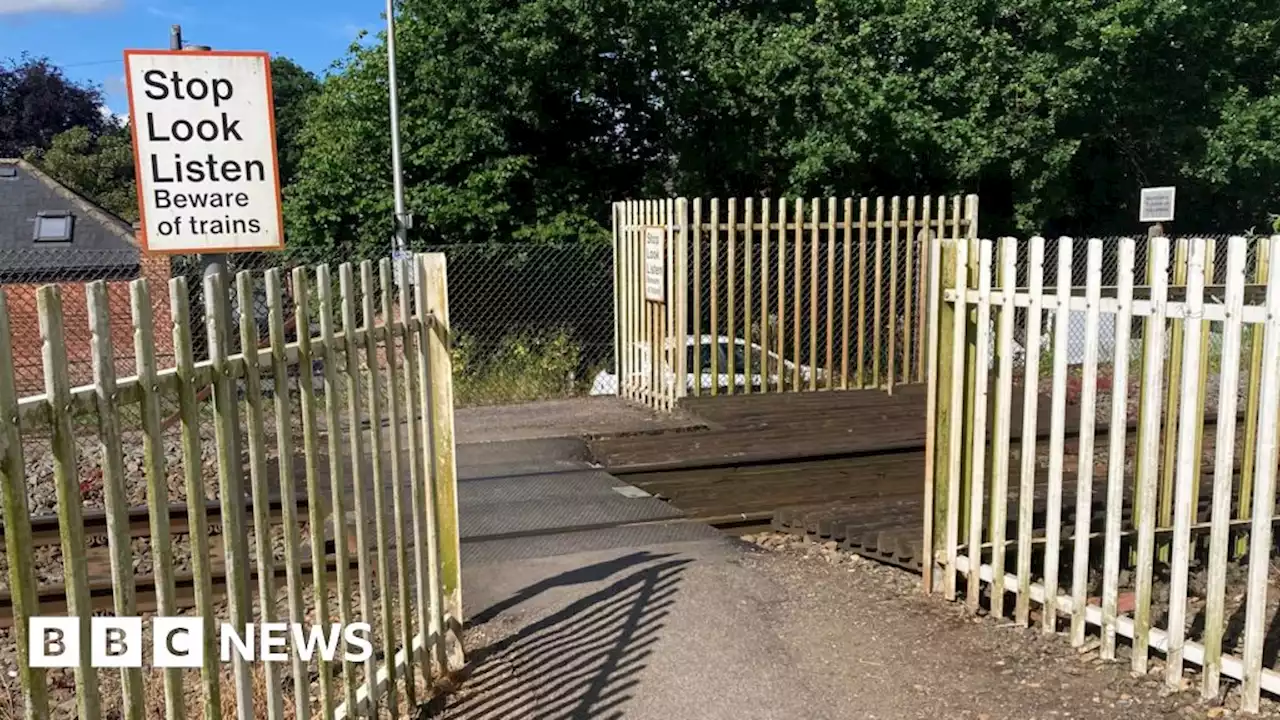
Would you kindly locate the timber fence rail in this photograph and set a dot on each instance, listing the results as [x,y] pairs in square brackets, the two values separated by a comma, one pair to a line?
[351,419]
[533,320]
[1149,513]
[778,295]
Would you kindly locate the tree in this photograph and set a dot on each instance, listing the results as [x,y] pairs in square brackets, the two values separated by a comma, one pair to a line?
[521,121]
[100,168]
[98,161]
[292,88]
[37,102]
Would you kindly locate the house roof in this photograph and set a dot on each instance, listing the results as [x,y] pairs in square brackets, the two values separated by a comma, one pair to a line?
[103,246]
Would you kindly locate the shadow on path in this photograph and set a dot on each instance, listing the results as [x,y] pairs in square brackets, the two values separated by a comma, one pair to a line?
[581,661]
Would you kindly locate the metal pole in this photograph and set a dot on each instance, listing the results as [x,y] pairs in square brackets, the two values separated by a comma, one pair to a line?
[212,264]
[401,220]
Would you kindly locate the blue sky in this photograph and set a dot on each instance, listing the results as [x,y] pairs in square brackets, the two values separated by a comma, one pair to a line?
[87,37]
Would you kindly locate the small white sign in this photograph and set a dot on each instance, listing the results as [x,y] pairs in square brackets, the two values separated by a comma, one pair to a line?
[655,264]
[1156,204]
[205,150]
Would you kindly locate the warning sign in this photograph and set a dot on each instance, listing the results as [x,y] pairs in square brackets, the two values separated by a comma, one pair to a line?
[205,150]
[655,264]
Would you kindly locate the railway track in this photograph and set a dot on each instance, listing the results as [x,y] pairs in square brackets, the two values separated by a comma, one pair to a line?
[52,596]
[869,501]
[44,528]
[53,600]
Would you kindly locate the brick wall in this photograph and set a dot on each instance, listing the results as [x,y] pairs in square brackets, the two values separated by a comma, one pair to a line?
[25,327]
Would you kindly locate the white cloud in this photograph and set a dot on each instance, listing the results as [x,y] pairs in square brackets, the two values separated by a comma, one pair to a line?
[119,118]
[20,7]
[116,85]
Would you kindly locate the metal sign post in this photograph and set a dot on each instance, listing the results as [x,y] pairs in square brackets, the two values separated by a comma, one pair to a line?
[402,220]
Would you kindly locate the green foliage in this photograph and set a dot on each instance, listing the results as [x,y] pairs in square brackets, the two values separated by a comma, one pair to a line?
[522,120]
[520,368]
[95,157]
[100,168]
[519,121]
[38,102]
[292,87]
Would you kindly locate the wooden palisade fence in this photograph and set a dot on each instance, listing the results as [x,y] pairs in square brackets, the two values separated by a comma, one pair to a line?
[822,294]
[393,371]
[1159,499]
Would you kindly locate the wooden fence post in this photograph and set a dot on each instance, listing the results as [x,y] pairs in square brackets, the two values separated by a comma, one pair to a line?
[189,412]
[290,520]
[230,479]
[67,482]
[1173,381]
[256,431]
[696,291]
[679,302]
[398,502]
[17,526]
[358,478]
[1244,501]
[1030,411]
[956,401]
[373,394]
[617,304]
[123,590]
[970,385]
[316,510]
[937,431]
[1260,531]
[444,473]
[333,431]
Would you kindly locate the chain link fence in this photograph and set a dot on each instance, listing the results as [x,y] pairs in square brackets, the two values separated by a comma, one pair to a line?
[1108,279]
[1076,342]
[535,322]
[531,322]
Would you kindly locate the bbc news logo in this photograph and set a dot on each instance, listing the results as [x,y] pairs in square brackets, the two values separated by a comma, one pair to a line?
[178,642]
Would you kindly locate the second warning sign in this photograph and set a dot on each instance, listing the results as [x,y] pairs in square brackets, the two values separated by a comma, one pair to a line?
[205,150]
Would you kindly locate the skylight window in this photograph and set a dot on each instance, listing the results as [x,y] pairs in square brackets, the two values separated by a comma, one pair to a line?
[8,171]
[54,226]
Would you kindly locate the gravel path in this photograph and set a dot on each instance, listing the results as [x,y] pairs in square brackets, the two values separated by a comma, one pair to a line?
[905,655]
